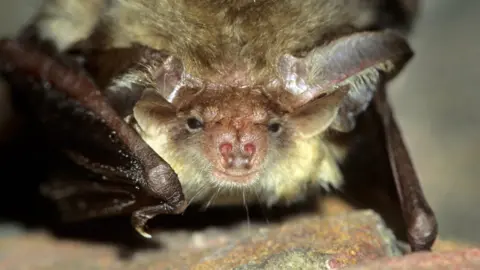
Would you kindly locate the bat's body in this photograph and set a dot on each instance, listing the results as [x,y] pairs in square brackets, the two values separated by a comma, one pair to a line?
[233,41]
[245,100]
[229,44]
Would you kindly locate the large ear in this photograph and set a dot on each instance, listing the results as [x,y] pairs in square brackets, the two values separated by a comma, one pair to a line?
[316,116]
[152,110]
[360,61]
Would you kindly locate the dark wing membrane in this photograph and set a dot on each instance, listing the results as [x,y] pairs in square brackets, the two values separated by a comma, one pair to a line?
[80,194]
[74,128]
[79,121]
[84,136]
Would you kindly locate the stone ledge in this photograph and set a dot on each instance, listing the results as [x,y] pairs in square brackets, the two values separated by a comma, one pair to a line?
[305,242]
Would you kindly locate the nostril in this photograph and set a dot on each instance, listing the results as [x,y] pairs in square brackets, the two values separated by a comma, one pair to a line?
[249,148]
[225,149]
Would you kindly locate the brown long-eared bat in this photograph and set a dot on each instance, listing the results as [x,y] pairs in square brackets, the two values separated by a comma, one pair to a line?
[213,101]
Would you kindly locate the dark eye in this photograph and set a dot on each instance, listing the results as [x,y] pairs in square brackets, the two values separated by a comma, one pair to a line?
[194,123]
[274,127]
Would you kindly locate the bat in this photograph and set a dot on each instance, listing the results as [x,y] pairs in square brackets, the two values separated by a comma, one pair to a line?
[292,100]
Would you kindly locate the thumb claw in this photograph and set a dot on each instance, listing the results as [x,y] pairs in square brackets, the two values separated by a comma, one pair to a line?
[142,232]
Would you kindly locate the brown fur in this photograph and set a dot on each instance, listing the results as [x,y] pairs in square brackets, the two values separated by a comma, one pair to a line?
[215,39]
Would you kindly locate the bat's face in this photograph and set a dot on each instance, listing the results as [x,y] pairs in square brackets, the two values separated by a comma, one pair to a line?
[234,130]
[235,142]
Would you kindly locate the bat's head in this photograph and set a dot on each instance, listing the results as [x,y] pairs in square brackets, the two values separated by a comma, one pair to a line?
[265,137]
[225,132]
[233,133]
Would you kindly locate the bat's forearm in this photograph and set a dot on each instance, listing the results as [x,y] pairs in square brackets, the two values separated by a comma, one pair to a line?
[419,216]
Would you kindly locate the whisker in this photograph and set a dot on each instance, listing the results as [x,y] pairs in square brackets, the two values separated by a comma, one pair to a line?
[262,207]
[205,206]
[196,194]
[246,209]
[214,196]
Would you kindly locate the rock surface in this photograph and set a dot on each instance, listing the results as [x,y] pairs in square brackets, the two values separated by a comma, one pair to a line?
[461,259]
[302,242]
[332,237]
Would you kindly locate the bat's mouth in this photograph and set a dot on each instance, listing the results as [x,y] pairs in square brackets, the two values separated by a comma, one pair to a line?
[237,177]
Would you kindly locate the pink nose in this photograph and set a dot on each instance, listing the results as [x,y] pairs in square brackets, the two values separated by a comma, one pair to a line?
[249,148]
[234,158]
[226,149]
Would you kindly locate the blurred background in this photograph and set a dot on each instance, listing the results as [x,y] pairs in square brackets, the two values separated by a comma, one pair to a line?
[434,98]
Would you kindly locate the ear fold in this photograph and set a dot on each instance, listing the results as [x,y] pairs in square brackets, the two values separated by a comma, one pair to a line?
[152,110]
[167,75]
[316,116]
[360,61]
